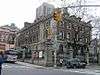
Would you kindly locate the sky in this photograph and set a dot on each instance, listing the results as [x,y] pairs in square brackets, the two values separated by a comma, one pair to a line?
[20,11]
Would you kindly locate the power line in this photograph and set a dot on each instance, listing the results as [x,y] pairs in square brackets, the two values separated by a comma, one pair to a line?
[82,6]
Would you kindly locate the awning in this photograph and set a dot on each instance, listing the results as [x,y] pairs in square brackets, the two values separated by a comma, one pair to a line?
[2,50]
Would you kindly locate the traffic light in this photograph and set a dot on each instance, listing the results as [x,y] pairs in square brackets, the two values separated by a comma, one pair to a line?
[57,15]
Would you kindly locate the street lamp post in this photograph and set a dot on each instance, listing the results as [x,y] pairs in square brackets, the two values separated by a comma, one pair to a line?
[55,43]
[55,52]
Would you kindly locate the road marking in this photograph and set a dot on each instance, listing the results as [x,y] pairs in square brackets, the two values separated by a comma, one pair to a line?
[13,66]
[87,71]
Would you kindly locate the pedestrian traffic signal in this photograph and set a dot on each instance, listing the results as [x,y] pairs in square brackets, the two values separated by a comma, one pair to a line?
[49,31]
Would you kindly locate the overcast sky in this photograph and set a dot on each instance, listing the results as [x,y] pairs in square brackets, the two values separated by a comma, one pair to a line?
[20,11]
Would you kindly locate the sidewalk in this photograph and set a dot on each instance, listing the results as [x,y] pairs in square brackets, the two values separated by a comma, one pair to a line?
[91,66]
[90,69]
[87,71]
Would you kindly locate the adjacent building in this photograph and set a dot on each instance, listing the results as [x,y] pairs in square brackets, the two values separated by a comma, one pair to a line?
[94,51]
[44,10]
[98,51]
[7,36]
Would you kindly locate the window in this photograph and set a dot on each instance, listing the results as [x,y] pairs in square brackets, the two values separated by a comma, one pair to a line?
[48,10]
[77,37]
[61,34]
[2,37]
[49,22]
[33,38]
[46,32]
[69,46]
[80,39]
[68,35]
[60,48]
[44,10]
[86,40]
[82,29]
[40,54]
[62,23]
[69,25]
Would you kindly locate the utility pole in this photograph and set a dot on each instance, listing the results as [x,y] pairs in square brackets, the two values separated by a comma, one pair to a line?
[55,52]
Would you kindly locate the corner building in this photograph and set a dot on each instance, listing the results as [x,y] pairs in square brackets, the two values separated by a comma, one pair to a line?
[45,38]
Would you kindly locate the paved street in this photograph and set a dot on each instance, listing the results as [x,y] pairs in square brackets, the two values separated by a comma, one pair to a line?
[25,69]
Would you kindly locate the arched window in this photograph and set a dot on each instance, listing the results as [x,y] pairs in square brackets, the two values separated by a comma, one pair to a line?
[60,48]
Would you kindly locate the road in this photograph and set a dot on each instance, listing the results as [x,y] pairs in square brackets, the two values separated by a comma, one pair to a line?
[19,69]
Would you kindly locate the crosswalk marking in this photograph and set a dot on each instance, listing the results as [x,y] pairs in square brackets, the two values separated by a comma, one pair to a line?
[12,66]
[87,71]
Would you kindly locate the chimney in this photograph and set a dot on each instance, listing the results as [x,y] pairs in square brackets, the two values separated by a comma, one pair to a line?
[26,24]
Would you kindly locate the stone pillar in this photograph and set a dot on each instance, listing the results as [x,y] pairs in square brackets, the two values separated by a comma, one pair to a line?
[99,58]
[87,58]
[50,62]
[45,58]
[48,58]
[71,54]
[23,56]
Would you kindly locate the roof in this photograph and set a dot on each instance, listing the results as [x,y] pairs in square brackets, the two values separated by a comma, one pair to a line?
[12,27]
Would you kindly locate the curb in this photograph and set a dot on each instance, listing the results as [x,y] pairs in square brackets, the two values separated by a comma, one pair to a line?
[31,65]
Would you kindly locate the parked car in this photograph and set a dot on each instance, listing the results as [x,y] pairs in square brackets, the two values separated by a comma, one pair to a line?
[10,56]
[75,63]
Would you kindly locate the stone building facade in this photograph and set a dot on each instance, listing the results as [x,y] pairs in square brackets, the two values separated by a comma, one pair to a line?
[49,40]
